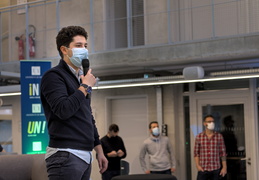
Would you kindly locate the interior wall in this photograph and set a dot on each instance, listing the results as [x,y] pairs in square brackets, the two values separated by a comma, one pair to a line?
[100,108]
[130,113]
[15,103]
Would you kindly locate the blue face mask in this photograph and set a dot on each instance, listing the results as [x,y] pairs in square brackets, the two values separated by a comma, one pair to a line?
[78,55]
[155,131]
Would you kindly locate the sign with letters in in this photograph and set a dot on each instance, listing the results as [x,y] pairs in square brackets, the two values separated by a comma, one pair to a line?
[34,130]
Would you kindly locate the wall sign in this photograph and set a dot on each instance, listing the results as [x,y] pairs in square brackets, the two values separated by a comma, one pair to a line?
[34,131]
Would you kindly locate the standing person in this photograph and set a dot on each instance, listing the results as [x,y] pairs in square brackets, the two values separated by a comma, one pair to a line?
[2,149]
[114,150]
[71,126]
[160,152]
[209,151]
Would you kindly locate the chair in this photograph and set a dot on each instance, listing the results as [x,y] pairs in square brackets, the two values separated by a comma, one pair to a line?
[124,167]
[145,177]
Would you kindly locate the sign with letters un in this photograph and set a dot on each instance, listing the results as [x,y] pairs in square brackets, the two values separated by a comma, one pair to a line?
[34,130]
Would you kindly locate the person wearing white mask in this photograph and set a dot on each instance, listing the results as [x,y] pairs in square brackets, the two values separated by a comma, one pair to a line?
[71,126]
[160,153]
[210,152]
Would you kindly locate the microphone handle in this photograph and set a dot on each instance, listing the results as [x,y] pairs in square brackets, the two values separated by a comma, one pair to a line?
[85,70]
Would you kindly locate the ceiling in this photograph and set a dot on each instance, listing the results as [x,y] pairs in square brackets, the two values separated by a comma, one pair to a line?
[128,71]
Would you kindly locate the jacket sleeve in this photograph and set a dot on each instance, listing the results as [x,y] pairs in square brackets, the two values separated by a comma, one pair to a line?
[96,134]
[142,155]
[171,152]
[197,147]
[123,148]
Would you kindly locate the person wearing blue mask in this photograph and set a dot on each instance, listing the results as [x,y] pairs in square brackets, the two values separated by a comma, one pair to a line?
[71,126]
[159,151]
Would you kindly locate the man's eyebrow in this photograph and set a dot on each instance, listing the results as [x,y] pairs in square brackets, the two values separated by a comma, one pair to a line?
[80,43]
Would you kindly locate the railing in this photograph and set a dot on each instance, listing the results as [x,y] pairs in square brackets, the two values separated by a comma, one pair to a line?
[131,24]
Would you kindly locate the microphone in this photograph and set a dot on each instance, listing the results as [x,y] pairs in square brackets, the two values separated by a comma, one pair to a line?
[85,64]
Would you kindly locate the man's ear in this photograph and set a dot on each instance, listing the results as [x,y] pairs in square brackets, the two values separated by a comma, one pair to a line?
[64,50]
[204,123]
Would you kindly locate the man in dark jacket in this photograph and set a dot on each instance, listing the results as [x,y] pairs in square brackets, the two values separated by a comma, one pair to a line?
[71,126]
[114,151]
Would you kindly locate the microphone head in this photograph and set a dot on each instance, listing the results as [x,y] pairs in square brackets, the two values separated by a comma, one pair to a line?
[85,63]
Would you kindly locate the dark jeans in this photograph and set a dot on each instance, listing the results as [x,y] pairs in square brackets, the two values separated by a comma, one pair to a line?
[65,166]
[108,174]
[208,175]
[161,172]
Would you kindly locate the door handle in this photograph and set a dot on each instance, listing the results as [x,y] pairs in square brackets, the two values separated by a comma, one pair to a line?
[248,160]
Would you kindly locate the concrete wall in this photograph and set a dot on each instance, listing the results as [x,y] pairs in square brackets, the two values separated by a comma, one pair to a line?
[189,21]
[15,103]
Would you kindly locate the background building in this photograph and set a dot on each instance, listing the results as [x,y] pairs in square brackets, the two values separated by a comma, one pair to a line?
[148,42]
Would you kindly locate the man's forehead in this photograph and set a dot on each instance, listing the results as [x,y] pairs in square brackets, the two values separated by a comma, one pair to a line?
[209,118]
[154,124]
[79,39]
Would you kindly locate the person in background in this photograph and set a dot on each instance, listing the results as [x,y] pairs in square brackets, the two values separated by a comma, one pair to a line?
[230,140]
[160,152]
[114,150]
[71,126]
[210,152]
[2,149]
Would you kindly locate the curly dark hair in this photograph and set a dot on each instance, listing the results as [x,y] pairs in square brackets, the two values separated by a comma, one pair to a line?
[66,35]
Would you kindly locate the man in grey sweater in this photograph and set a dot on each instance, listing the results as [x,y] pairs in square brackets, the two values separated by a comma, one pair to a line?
[160,152]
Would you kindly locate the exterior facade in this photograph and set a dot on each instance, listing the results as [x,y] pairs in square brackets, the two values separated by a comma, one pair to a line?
[149,41]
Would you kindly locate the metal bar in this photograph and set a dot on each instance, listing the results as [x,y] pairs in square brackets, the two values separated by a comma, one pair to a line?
[27,56]
[169,22]
[159,106]
[1,58]
[57,15]
[92,27]
[213,17]
[129,23]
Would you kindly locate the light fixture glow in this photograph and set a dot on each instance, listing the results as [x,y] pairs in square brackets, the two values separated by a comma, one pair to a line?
[10,94]
[156,82]
[176,81]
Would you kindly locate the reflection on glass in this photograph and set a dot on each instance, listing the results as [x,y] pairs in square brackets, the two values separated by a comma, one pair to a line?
[229,120]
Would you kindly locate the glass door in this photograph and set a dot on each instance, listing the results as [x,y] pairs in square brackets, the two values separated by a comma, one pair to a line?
[229,121]
[236,119]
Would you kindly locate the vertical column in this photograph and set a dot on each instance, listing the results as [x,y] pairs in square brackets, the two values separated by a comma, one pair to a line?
[159,106]
[57,16]
[92,26]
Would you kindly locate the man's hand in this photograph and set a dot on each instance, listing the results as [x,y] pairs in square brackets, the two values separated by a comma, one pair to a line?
[120,153]
[223,172]
[199,168]
[102,162]
[147,172]
[88,79]
[112,154]
[172,170]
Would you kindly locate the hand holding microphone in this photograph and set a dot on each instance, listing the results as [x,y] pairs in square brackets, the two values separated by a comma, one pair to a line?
[88,78]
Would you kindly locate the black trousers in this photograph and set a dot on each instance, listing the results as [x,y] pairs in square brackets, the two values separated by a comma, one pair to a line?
[65,166]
